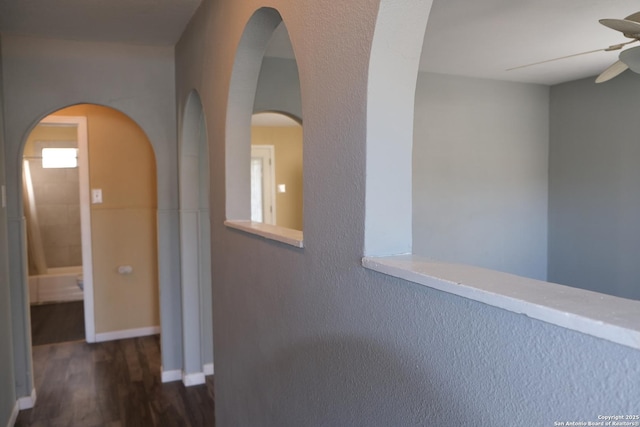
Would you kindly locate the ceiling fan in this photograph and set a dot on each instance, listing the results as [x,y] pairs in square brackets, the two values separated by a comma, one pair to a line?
[628,58]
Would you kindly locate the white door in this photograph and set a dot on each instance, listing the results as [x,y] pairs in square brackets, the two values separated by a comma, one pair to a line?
[263,189]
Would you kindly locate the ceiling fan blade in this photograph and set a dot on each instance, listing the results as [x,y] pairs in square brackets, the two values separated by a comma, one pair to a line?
[635,17]
[627,27]
[616,68]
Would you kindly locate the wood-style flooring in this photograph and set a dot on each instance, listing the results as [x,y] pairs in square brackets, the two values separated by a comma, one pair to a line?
[59,322]
[112,384]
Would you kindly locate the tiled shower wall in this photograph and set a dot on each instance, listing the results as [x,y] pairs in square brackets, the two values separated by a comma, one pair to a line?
[58,204]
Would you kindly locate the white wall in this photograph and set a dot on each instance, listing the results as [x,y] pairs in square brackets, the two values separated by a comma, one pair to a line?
[480,164]
[594,236]
[41,76]
[307,336]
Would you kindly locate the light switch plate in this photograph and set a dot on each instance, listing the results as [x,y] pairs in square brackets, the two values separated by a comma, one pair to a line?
[96,196]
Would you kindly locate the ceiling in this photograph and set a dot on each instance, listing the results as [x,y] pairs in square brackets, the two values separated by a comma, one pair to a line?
[479,38]
[148,22]
[484,38]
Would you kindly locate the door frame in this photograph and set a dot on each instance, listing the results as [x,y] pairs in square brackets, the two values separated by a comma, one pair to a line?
[267,154]
[85,215]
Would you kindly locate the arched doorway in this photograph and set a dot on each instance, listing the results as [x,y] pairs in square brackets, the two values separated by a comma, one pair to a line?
[119,193]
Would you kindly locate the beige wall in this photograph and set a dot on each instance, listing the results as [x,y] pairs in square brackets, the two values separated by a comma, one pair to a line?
[123,227]
[287,142]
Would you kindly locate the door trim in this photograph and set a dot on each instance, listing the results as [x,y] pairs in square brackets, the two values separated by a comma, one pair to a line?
[267,154]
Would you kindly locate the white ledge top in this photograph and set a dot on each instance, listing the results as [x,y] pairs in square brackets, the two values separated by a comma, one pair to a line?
[268,231]
[604,316]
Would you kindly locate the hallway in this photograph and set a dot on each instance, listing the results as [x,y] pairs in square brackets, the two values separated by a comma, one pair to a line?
[115,383]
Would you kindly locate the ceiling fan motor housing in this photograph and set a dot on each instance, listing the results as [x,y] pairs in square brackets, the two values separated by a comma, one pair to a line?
[631,57]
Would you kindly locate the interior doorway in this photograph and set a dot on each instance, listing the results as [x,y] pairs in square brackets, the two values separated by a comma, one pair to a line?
[56,205]
[99,246]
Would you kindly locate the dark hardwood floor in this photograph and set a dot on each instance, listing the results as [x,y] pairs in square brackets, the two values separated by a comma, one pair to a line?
[59,322]
[114,384]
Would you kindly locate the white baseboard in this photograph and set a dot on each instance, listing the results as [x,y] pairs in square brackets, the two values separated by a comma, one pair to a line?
[14,415]
[27,402]
[127,333]
[196,378]
[170,376]
[208,369]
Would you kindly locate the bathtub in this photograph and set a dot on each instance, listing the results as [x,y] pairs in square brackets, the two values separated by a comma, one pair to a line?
[59,284]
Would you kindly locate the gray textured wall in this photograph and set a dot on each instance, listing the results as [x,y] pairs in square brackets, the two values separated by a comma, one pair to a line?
[309,337]
[594,202]
[7,392]
[278,87]
[480,173]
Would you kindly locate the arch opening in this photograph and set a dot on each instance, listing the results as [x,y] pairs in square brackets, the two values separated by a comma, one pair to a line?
[264,83]
[389,233]
[113,236]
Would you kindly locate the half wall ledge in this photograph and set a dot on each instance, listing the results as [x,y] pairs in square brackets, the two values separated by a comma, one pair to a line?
[604,316]
[270,232]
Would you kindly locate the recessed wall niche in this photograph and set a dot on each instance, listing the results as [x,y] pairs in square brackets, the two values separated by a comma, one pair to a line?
[264,80]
